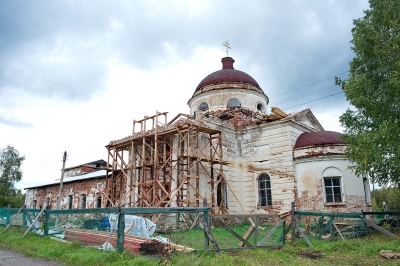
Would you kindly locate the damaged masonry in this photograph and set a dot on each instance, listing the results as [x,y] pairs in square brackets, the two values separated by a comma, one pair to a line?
[228,151]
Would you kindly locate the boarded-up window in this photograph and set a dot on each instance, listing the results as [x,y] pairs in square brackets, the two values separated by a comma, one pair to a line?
[264,190]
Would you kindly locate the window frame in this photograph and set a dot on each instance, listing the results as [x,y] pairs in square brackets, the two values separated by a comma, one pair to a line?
[70,200]
[202,109]
[233,99]
[83,201]
[222,193]
[333,186]
[267,187]
[262,107]
[98,200]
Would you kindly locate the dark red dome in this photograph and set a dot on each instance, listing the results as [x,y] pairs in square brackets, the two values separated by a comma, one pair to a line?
[227,74]
[318,138]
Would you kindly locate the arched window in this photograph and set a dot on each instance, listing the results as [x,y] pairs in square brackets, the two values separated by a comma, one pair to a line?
[260,107]
[332,179]
[203,106]
[233,103]
[264,190]
[222,194]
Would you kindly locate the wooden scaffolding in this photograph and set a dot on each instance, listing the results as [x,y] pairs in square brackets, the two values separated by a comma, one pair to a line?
[168,165]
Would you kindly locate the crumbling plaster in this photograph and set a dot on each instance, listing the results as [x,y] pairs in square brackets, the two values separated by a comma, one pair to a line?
[310,172]
[217,99]
[253,150]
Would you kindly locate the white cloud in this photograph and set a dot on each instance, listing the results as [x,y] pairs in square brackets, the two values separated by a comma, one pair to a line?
[73,74]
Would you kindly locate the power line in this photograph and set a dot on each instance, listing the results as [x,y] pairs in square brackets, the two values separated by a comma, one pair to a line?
[315,100]
[363,85]
[306,94]
[308,85]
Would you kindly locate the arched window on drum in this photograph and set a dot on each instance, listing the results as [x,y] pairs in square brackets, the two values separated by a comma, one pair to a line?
[203,106]
[233,103]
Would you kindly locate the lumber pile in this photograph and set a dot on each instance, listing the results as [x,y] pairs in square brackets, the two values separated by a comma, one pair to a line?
[133,244]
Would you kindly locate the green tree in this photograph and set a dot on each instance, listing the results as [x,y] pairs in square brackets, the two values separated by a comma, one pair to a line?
[390,196]
[10,173]
[372,128]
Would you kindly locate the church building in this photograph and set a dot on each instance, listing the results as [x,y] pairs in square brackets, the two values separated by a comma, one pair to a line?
[232,152]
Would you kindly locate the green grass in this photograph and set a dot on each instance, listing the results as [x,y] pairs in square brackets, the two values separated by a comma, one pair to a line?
[195,238]
[362,251]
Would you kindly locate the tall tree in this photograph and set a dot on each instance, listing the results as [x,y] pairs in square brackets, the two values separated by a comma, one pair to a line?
[372,128]
[10,172]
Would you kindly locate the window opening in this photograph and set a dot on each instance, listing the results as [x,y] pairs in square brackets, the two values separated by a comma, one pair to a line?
[34,204]
[69,201]
[203,106]
[264,190]
[366,191]
[98,201]
[333,191]
[83,201]
[222,194]
[233,103]
[260,107]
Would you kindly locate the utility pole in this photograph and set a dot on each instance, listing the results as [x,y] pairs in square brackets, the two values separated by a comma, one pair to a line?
[61,185]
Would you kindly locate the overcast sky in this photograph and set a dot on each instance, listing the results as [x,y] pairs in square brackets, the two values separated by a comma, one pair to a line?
[74,74]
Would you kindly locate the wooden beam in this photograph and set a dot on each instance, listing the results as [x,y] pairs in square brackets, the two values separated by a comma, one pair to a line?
[209,234]
[337,229]
[380,229]
[265,238]
[234,233]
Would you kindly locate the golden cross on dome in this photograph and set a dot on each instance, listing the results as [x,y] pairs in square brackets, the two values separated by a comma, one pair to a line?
[226,44]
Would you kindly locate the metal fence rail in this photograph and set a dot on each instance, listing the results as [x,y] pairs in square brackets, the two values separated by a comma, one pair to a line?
[160,231]
[148,231]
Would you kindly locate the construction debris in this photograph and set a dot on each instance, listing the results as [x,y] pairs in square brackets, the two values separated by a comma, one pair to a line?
[389,254]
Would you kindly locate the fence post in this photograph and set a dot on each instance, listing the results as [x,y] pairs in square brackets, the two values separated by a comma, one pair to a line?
[283,232]
[331,227]
[293,225]
[205,214]
[8,211]
[121,231]
[46,223]
[24,217]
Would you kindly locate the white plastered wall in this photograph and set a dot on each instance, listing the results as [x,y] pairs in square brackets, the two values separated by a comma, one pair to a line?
[217,99]
[310,186]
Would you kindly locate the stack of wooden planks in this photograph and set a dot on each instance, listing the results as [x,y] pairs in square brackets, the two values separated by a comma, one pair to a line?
[133,244]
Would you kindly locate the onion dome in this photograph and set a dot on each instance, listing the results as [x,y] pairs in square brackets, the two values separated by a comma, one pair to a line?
[320,138]
[228,74]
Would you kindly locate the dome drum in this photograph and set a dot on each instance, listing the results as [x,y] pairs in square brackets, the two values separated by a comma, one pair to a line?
[216,89]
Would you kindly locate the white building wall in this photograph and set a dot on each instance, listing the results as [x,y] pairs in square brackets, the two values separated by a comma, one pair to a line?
[266,148]
[217,99]
[310,186]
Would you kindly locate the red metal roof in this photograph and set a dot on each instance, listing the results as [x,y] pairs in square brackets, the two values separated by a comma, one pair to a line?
[227,74]
[318,138]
